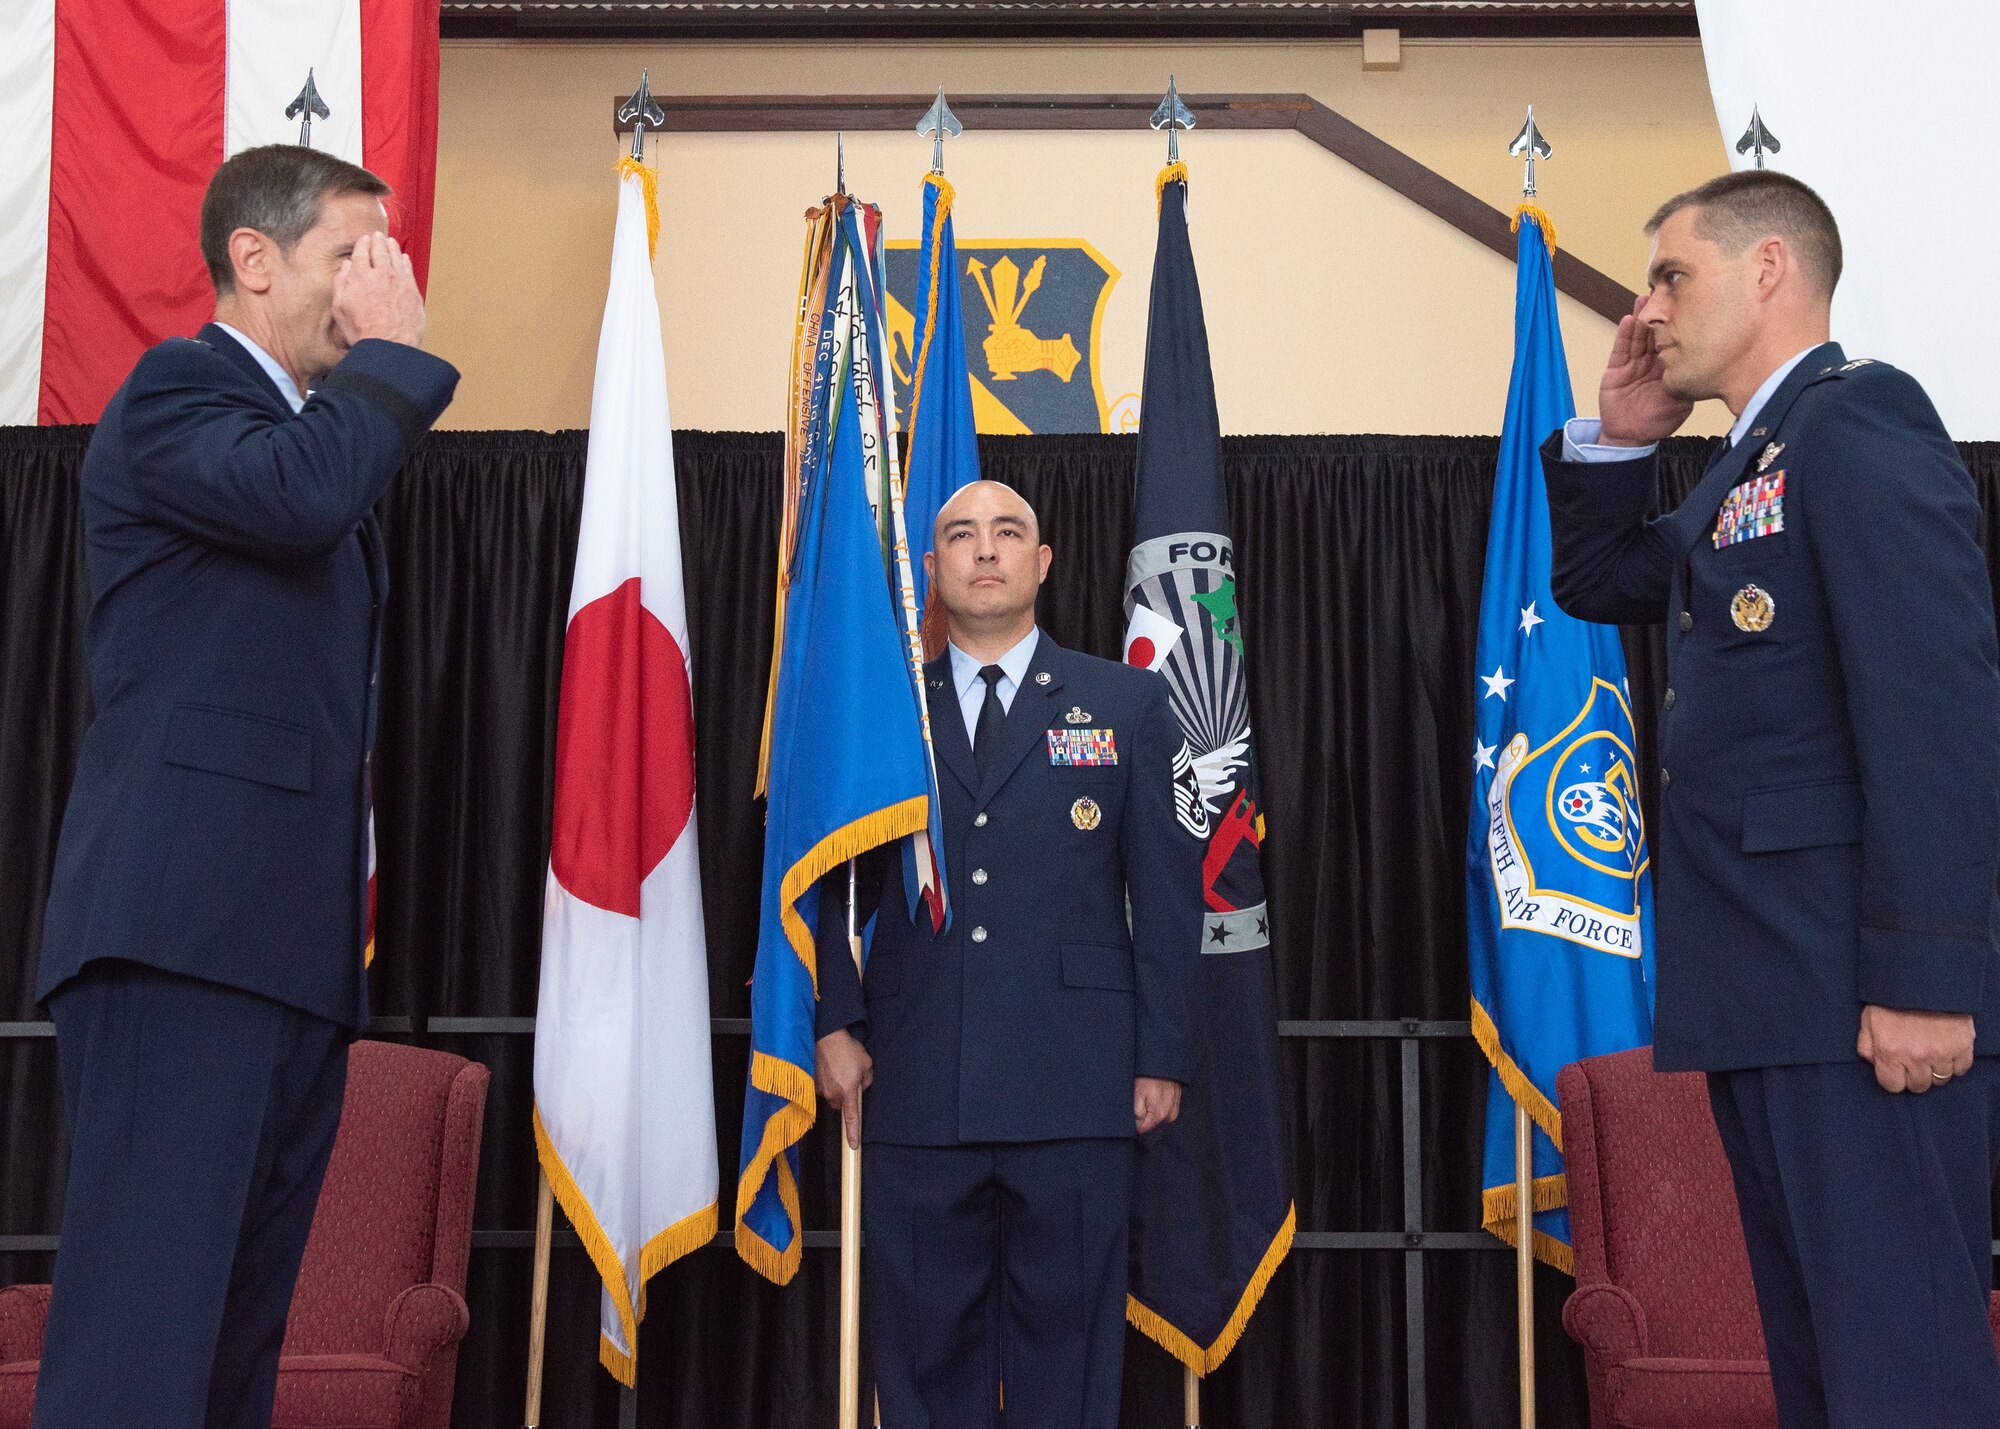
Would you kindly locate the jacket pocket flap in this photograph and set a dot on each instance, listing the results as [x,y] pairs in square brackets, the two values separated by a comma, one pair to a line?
[1097,965]
[242,746]
[881,978]
[1802,816]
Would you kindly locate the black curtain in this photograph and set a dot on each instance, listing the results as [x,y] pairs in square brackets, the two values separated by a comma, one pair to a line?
[1360,562]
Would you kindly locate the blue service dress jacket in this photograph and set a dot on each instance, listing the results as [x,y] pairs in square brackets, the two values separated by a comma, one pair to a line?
[217,824]
[1829,745]
[1076,899]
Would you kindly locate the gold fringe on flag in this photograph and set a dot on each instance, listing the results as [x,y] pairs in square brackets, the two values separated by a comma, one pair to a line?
[1155,1327]
[689,1233]
[1551,1192]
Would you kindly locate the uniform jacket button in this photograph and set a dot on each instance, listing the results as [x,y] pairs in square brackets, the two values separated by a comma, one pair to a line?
[1668,702]
[978,935]
[979,875]
[1687,621]
[1665,779]
[979,819]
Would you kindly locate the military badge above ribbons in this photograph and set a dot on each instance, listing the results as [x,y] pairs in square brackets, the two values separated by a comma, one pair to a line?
[1559,906]
[1211,1196]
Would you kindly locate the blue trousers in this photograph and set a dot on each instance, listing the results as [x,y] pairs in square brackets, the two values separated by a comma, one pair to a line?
[1869,1222]
[201,1121]
[999,1265]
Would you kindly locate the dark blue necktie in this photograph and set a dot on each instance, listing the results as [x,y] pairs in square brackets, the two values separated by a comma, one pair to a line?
[986,733]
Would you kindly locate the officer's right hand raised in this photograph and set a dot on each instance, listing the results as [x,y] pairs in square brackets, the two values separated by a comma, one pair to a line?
[1632,400]
[375,294]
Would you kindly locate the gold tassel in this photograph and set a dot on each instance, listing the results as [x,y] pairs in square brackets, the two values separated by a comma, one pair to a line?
[1542,221]
[649,185]
[1174,173]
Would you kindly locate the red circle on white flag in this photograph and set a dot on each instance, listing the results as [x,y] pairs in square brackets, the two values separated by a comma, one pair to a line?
[1141,653]
[624,751]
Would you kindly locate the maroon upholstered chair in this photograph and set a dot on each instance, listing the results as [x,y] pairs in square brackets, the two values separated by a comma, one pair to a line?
[372,1342]
[1664,1306]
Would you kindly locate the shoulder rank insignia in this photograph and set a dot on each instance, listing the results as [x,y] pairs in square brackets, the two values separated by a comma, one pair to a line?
[1085,814]
[1077,748]
[1769,455]
[1078,715]
[1753,609]
[1858,362]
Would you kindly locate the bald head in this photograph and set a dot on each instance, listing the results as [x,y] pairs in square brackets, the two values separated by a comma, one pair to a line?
[986,567]
[977,499]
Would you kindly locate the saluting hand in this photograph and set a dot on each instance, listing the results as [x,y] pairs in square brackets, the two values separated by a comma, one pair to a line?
[1632,400]
[375,293]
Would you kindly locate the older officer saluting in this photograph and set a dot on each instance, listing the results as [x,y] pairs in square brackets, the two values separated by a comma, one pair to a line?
[1829,797]
[202,954]
[1012,1059]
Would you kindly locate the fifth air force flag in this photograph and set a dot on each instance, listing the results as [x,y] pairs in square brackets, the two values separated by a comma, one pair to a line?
[1212,1203]
[1559,907]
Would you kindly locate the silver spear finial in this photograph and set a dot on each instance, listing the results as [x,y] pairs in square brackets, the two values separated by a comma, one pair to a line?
[1173,116]
[1758,138]
[639,111]
[1531,143]
[306,108]
[938,125]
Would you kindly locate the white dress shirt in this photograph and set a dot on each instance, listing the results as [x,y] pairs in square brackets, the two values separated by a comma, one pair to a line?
[972,690]
[277,374]
[1580,434]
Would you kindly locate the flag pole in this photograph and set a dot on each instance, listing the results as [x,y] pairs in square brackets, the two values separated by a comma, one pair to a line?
[538,1297]
[850,1228]
[1524,1256]
[1528,145]
[1190,1397]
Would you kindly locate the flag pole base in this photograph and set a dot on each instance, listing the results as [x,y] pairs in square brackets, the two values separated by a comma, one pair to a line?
[538,1297]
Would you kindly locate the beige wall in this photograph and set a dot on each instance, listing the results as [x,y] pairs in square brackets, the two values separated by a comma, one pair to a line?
[1333,304]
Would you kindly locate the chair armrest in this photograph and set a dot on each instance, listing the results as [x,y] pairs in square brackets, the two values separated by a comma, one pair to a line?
[421,1321]
[24,1310]
[1608,1321]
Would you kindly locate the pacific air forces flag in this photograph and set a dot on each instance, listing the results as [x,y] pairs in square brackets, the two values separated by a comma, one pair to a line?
[624,1101]
[1211,1195]
[1559,909]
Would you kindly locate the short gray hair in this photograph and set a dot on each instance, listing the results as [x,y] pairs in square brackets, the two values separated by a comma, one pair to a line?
[276,189]
[1740,209]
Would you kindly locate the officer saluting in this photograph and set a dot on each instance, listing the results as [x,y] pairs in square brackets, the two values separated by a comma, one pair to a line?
[1010,1061]
[1829,825]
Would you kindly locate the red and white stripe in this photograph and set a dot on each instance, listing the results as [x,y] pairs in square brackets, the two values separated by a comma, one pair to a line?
[116,113]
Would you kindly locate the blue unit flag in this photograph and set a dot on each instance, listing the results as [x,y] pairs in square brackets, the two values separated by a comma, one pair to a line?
[944,448]
[849,767]
[1558,900]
